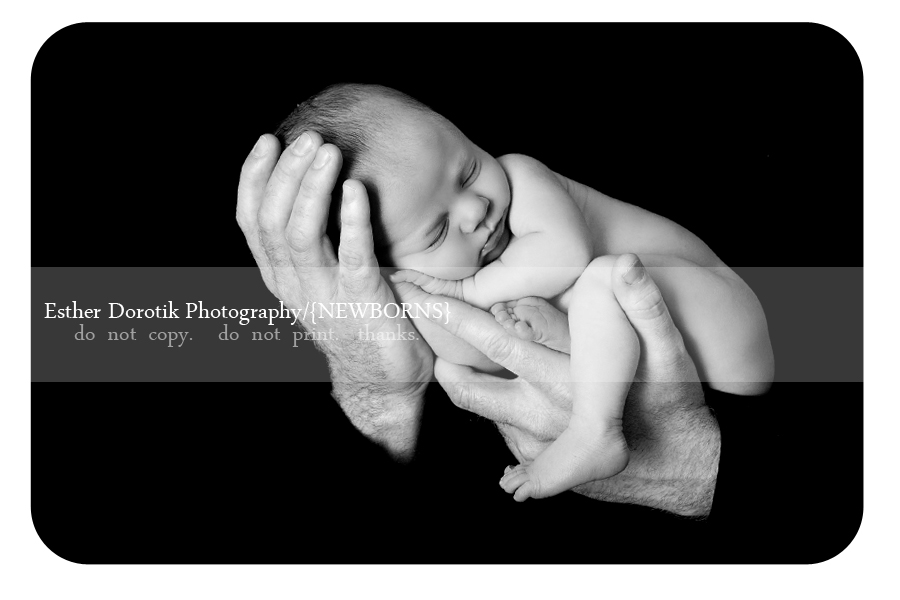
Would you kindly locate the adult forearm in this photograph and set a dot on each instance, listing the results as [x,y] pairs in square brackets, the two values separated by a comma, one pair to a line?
[385,411]
[389,419]
[674,469]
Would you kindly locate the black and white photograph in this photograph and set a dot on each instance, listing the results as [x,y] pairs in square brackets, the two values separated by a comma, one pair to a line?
[447,293]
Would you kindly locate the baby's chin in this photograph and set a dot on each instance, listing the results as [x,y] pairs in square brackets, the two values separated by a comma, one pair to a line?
[502,243]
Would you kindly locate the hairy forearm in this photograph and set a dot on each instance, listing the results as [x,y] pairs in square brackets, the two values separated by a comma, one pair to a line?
[674,462]
[390,420]
[386,412]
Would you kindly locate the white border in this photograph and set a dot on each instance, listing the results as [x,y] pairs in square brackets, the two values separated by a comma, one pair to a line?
[29,570]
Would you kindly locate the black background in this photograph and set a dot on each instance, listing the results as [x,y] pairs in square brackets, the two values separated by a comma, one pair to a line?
[749,135]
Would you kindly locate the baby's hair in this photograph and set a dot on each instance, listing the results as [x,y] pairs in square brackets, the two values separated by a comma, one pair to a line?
[349,116]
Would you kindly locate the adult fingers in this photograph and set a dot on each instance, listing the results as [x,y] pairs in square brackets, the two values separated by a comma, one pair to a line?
[359,273]
[535,363]
[280,195]
[512,402]
[486,395]
[255,173]
[663,353]
[311,206]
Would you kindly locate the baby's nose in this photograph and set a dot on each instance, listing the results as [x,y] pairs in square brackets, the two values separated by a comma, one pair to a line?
[474,212]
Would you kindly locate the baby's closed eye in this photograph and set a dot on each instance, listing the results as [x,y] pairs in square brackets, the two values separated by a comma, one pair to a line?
[440,235]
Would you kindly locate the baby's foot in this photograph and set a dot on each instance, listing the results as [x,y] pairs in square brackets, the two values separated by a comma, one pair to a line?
[578,456]
[517,480]
[535,319]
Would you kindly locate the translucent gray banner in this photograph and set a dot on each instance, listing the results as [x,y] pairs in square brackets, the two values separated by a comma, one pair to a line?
[141,324]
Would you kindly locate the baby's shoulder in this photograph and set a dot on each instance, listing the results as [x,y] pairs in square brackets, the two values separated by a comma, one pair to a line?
[532,182]
[522,166]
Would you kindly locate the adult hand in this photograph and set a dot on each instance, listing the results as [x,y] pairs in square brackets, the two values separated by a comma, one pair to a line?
[674,440]
[283,205]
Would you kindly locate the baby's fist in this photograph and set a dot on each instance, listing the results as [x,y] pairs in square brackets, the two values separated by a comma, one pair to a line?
[432,285]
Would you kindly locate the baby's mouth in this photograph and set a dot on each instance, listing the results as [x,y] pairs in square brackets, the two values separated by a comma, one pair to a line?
[495,238]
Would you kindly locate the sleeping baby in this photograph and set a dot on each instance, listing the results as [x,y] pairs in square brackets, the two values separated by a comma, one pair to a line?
[509,235]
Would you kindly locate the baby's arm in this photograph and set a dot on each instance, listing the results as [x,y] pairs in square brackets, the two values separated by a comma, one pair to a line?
[552,244]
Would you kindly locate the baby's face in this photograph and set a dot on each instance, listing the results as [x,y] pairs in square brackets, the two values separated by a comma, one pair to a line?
[444,200]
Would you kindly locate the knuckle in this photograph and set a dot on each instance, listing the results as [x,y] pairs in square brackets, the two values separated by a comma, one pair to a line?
[651,305]
[272,249]
[298,239]
[241,221]
[282,173]
[355,287]
[268,224]
[461,395]
[500,348]
[309,187]
[350,258]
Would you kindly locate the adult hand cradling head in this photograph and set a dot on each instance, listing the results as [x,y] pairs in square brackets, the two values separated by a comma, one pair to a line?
[282,208]
[283,204]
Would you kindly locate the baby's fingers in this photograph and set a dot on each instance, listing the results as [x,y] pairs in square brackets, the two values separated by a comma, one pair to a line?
[420,279]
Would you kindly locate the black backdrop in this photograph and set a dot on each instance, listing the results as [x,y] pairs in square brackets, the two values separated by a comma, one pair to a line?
[749,135]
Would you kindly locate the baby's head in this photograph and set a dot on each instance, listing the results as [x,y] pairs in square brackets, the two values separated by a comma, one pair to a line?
[436,197]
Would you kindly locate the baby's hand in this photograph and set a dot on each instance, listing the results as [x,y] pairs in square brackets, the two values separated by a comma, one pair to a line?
[432,285]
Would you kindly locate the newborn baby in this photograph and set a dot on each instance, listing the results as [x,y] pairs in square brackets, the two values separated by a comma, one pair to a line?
[509,235]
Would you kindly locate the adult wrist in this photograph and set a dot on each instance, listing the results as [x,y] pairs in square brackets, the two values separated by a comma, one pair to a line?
[674,469]
[387,414]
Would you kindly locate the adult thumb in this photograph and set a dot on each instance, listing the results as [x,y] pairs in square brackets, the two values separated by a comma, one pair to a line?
[662,347]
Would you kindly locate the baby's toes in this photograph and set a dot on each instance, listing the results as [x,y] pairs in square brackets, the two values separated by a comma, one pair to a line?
[498,308]
[527,312]
[514,478]
[525,491]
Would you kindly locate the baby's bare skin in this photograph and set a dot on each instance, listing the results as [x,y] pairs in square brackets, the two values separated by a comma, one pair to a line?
[536,320]
[553,231]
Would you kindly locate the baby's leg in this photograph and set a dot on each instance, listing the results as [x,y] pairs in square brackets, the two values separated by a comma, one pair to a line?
[605,353]
[535,319]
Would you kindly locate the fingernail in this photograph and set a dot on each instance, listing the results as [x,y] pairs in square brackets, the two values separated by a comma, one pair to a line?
[322,158]
[348,190]
[260,148]
[302,144]
[634,274]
